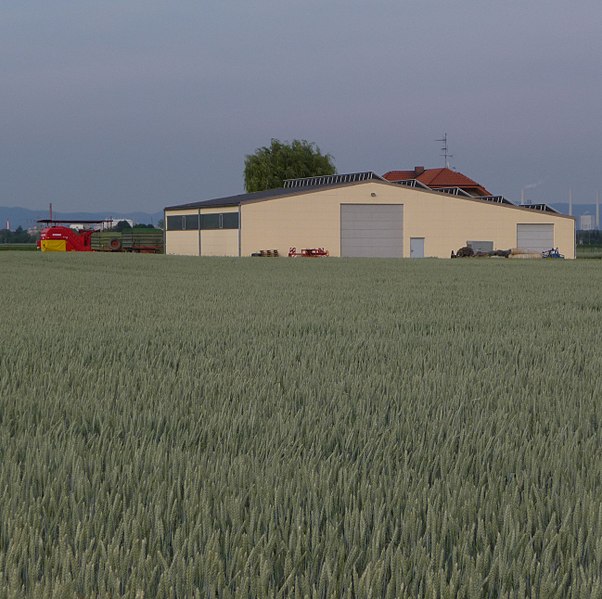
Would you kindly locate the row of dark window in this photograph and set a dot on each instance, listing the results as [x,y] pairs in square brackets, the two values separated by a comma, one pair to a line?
[196,222]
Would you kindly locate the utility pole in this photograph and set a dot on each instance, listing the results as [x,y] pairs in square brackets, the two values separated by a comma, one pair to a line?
[597,211]
[570,202]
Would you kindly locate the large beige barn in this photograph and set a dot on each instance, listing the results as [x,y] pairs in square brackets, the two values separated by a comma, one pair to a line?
[364,215]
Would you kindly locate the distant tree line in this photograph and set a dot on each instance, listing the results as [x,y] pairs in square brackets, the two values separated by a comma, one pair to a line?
[593,237]
[123,225]
[19,235]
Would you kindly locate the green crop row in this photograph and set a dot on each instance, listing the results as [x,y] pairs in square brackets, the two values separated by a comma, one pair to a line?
[197,427]
[589,251]
[21,247]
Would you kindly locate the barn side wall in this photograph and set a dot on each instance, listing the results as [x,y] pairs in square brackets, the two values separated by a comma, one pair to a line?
[312,219]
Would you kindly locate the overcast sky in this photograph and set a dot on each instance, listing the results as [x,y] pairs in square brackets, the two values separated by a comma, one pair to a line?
[139,104]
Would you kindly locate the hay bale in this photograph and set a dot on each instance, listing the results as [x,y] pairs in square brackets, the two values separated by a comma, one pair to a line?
[526,256]
[517,251]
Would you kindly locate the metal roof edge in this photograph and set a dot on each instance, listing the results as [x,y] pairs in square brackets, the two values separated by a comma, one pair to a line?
[262,196]
[273,194]
[512,207]
[312,189]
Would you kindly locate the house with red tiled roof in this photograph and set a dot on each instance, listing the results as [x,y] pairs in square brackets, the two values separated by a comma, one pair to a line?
[439,178]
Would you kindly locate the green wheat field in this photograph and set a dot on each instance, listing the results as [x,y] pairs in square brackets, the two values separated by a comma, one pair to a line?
[330,428]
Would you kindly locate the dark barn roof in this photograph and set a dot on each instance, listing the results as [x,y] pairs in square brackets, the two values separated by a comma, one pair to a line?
[243,198]
[298,186]
[236,200]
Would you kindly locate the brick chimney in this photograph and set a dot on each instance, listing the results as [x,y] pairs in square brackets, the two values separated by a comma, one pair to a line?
[418,170]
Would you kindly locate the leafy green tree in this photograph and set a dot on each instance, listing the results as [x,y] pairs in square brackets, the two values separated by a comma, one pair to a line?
[19,235]
[269,166]
[122,225]
[143,226]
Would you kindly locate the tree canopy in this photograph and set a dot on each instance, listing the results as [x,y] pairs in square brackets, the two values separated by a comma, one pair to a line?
[269,166]
[17,236]
[121,226]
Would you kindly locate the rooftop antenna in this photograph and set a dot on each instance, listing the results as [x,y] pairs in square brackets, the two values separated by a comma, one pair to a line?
[445,150]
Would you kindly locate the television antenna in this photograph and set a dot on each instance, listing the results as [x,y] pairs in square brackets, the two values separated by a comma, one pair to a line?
[445,150]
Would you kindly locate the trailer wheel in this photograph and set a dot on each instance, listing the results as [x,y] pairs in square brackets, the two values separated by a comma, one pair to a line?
[115,244]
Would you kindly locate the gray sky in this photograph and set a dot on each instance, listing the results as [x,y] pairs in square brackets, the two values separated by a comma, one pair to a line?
[139,104]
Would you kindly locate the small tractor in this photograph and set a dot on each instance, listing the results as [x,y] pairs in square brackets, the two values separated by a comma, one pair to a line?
[553,253]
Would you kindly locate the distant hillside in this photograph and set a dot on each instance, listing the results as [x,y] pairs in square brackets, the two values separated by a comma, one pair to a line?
[22,217]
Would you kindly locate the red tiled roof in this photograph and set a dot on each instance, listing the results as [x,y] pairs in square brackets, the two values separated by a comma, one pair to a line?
[437,178]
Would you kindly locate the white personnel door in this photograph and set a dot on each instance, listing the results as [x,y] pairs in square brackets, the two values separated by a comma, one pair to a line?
[416,247]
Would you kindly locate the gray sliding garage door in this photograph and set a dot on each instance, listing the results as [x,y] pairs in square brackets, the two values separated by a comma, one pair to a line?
[535,237]
[372,230]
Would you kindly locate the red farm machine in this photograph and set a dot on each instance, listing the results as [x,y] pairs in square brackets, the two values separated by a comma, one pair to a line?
[308,253]
[92,236]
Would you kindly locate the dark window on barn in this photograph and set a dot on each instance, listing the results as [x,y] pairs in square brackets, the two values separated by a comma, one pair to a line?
[230,220]
[210,221]
[175,223]
[192,222]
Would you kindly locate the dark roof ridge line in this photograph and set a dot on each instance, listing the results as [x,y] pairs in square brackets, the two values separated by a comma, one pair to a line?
[282,192]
